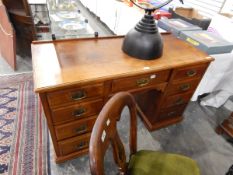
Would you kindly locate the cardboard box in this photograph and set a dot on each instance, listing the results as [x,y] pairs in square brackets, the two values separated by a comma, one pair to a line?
[175,26]
[188,12]
[190,15]
[227,15]
[207,41]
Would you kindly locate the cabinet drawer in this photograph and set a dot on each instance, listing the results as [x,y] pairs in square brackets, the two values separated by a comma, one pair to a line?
[182,87]
[75,128]
[140,81]
[176,100]
[190,72]
[171,112]
[77,111]
[75,95]
[74,144]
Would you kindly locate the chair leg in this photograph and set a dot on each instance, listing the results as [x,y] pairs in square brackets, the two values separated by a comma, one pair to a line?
[230,171]
[219,130]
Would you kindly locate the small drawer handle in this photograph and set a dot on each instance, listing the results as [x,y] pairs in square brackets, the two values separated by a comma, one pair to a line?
[171,113]
[179,101]
[81,129]
[185,87]
[79,112]
[143,82]
[191,73]
[81,145]
[78,95]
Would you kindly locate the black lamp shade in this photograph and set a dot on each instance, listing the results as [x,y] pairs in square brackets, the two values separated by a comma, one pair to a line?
[144,41]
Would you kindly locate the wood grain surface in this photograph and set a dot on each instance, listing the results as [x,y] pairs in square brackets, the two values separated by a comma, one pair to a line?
[68,62]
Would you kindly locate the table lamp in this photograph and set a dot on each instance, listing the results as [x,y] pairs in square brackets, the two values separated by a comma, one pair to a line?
[144,41]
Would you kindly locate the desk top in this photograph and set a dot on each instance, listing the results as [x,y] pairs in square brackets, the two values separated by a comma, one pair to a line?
[62,63]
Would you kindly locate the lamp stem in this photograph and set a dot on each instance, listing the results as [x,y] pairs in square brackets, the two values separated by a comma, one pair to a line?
[149,11]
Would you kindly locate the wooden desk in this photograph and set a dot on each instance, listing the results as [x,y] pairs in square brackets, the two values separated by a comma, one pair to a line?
[75,78]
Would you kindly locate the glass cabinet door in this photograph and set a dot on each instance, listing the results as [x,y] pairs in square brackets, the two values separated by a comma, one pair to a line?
[67,20]
[78,18]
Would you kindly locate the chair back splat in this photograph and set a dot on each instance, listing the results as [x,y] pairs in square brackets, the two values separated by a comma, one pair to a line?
[105,133]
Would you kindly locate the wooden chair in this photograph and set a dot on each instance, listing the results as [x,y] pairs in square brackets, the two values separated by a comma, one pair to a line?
[142,162]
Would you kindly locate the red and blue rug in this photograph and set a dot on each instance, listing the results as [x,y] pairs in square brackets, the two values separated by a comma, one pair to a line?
[24,139]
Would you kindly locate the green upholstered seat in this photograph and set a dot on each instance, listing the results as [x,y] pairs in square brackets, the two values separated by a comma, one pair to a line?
[147,162]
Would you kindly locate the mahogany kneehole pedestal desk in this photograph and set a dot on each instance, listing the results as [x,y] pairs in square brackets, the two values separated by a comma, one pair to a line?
[75,78]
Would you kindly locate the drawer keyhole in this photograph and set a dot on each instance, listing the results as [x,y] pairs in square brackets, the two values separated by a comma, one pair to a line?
[191,73]
[81,145]
[78,95]
[81,129]
[143,82]
[79,112]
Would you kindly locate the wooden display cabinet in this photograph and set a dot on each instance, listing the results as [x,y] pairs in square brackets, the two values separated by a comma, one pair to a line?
[74,79]
[21,17]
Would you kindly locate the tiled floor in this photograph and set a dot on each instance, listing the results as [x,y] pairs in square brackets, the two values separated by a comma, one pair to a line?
[23,65]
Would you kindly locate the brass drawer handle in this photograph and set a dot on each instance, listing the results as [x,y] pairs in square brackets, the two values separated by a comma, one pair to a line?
[81,145]
[185,87]
[171,113]
[81,129]
[179,101]
[143,82]
[78,95]
[191,73]
[79,112]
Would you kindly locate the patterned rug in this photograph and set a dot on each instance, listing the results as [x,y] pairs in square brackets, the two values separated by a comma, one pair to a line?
[23,133]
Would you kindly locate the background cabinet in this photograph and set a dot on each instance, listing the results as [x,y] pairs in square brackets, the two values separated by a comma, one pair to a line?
[21,18]
[8,39]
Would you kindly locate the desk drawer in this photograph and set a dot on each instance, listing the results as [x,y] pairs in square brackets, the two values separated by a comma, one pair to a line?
[171,112]
[75,95]
[182,87]
[190,72]
[74,144]
[75,128]
[140,81]
[177,100]
[77,111]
